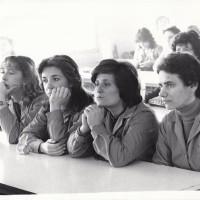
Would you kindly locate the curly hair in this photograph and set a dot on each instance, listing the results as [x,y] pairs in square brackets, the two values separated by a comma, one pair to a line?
[144,35]
[188,37]
[185,65]
[31,84]
[126,79]
[79,98]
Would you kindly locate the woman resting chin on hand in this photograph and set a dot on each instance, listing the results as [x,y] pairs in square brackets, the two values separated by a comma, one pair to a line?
[49,131]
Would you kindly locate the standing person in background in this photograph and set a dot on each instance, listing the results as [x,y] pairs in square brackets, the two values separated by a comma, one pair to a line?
[179,132]
[147,51]
[188,42]
[119,128]
[49,131]
[20,95]
[168,34]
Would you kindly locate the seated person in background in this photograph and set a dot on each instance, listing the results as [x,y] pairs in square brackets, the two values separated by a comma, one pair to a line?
[120,128]
[179,132]
[20,95]
[188,42]
[48,132]
[168,34]
[147,51]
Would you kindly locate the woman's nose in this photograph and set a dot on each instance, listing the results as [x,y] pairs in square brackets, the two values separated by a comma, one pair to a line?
[99,88]
[4,77]
[49,85]
[162,92]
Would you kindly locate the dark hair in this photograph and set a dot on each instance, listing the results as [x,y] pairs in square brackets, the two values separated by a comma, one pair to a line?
[31,84]
[188,37]
[185,65]
[172,29]
[79,98]
[144,35]
[126,79]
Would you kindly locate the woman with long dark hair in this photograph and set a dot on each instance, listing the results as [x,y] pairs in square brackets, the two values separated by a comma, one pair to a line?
[62,83]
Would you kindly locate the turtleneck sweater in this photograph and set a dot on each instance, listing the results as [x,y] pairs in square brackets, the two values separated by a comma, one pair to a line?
[188,115]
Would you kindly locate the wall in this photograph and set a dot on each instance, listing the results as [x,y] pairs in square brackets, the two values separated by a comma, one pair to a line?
[87,30]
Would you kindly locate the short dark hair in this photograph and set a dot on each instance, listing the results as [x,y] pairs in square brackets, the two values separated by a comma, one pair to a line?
[126,79]
[31,84]
[144,35]
[185,65]
[188,37]
[79,98]
[172,29]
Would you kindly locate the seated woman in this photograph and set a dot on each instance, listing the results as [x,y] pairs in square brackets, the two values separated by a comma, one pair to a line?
[188,42]
[20,95]
[120,128]
[147,51]
[48,132]
[179,136]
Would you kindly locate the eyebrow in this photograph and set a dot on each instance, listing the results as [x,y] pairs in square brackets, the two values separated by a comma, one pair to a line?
[52,76]
[167,82]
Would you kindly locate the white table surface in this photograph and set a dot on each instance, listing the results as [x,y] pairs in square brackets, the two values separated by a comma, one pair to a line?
[43,174]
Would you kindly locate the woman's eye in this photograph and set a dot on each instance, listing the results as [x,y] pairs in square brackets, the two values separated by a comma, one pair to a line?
[44,81]
[106,84]
[170,85]
[56,79]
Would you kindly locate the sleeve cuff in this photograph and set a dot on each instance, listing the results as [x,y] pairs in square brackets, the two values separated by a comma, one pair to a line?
[82,138]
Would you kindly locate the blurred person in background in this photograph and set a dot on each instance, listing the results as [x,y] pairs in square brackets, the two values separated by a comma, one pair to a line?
[147,51]
[188,41]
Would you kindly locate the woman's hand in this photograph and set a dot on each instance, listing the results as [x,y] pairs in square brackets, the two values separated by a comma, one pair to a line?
[146,64]
[84,127]
[51,147]
[95,115]
[59,96]
[4,92]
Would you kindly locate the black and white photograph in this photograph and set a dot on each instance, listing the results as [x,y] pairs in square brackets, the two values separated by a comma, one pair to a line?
[100,99]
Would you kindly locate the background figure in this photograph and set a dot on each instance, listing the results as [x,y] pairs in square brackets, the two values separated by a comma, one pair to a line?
[49,130]
[119,128]
[179,136]
[168,34]
[20,95]
[147,51]
[188,42]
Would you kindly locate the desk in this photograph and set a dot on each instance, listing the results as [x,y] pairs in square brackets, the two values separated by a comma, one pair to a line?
[43,174]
